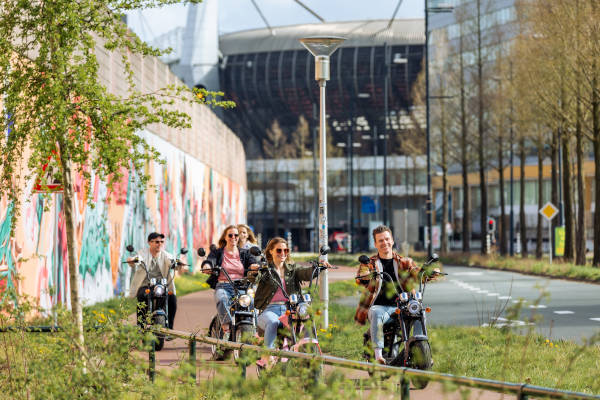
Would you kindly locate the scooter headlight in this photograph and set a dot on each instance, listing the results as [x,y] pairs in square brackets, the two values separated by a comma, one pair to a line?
[302,311]
[414,307]
[245,300]
[306,297]
[250,292]
[153,281]
[163,281]
[293,298]
[404,297]
[159,290]
[418,296]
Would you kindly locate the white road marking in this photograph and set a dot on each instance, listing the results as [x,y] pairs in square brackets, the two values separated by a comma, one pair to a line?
[505,297]
[595,319]
[483,291]
[563,312]
[501,322]
[537,306]
[493,294]
[471,273]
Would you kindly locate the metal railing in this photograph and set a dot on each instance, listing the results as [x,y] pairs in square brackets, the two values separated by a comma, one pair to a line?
[521,390]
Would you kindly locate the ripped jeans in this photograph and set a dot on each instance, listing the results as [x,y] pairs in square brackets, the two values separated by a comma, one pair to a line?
[378,316]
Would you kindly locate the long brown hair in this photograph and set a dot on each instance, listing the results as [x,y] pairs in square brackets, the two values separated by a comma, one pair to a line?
[222,239]
[251,237]
[271,245]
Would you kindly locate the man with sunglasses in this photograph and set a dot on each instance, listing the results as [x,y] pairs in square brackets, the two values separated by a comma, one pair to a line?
[158,262]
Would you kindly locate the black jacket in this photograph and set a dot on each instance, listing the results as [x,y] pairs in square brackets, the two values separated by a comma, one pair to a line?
[215,258]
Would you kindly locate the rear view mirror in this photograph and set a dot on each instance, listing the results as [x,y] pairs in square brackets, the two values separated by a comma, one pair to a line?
[201,251]
[324,250]
[255,251]
[183,250]
[364,259]
[130,248]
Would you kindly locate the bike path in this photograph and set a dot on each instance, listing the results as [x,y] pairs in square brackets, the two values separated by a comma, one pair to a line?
[195,311]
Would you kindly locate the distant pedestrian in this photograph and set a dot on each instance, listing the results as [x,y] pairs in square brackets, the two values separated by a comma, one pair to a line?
[247,238]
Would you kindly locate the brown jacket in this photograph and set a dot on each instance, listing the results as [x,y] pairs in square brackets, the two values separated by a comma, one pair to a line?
[406,273]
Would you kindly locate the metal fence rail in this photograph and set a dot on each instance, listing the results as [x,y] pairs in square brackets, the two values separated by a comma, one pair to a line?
[521,390]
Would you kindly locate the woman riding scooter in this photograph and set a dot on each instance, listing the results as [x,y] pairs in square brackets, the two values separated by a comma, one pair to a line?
[237,263]
[270,299]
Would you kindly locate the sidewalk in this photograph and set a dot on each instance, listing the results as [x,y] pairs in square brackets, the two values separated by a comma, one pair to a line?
[195,311]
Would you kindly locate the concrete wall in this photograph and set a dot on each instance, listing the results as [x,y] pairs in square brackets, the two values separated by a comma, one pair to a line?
[200,189]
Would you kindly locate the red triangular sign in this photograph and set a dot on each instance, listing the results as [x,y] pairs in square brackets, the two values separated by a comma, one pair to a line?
[46,175]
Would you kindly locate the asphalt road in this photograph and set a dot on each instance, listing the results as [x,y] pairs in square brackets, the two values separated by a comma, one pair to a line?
[558,309]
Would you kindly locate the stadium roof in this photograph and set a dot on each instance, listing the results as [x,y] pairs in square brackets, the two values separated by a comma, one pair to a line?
[358,33]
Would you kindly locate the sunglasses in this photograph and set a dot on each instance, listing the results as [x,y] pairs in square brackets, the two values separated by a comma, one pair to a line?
[232,235]
[158,241]
[279,251]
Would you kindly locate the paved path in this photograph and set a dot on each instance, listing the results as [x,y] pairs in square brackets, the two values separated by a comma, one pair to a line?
[195,311]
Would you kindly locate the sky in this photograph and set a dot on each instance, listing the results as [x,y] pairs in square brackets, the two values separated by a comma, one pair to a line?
[238,15]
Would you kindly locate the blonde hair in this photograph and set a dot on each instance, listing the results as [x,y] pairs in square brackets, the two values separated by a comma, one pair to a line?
[222,240]
[251,237]
[271,245]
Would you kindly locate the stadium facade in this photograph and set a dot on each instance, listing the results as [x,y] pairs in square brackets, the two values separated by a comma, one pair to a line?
[270,76]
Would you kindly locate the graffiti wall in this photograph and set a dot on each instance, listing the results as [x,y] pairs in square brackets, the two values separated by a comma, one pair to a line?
[187,200]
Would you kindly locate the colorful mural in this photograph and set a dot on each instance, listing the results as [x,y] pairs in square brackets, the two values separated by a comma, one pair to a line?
[187,201]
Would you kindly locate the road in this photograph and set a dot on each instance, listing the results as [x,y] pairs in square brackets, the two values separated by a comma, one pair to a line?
[477,297]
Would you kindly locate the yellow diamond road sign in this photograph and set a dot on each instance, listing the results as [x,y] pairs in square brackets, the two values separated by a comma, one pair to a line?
[549,211]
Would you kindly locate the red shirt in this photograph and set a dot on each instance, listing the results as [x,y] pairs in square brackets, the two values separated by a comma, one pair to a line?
[279,293]
[233,266]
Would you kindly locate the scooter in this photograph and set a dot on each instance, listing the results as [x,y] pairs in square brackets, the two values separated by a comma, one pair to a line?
[297,329]
[156,296]
[243,316]
[402,348]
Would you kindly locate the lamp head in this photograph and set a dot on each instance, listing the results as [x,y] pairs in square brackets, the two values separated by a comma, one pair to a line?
[321,47]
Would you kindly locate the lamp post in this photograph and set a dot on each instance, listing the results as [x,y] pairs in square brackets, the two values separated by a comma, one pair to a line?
[322,47]
[428,208]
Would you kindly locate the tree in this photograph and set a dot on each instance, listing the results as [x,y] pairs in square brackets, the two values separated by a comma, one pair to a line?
[58,106]
[276,146]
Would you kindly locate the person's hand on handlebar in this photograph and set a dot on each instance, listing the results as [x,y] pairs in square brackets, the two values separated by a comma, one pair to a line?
[132,261]
[254,267]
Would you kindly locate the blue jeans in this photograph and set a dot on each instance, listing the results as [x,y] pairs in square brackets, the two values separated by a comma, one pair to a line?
[224,291]
[378,316]
[268,321]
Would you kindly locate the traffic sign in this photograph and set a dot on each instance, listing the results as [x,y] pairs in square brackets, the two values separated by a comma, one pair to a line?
[549,211]
[45,181]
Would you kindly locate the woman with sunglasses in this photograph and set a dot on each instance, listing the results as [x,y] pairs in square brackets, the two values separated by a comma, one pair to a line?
[237,262]
[280,273]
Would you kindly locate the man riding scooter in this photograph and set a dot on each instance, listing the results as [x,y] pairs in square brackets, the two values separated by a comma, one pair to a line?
[378,302]
[158,262]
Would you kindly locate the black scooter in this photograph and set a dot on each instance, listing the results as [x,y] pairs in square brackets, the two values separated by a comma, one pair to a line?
[299,318]
[402,348]
[156,296]
[243,316]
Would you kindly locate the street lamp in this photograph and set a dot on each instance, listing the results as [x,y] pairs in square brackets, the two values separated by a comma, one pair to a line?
[428,208]
[322,48]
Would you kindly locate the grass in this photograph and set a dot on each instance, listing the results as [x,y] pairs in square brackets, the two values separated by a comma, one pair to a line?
[530,265]
[489,353]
